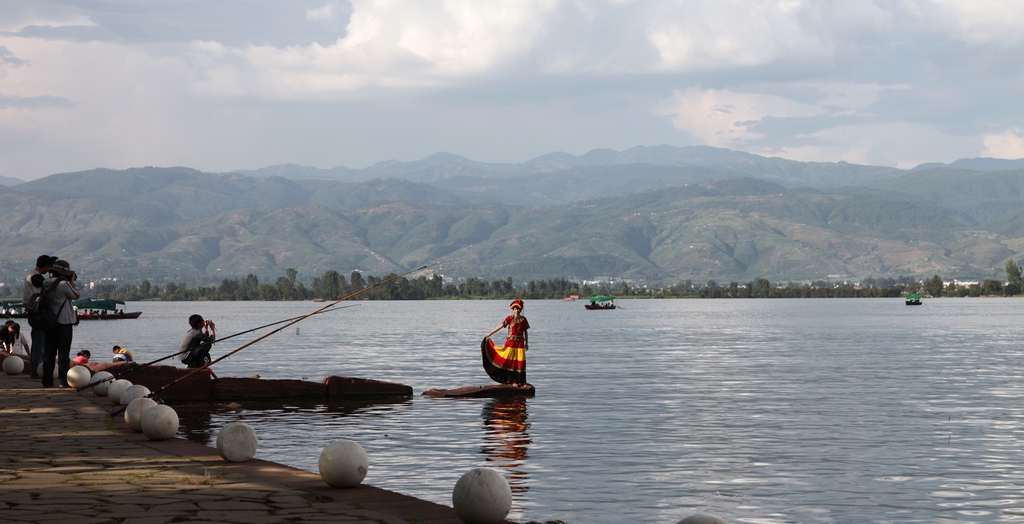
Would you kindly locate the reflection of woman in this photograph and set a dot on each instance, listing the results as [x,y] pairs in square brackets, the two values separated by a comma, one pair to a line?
[507,364]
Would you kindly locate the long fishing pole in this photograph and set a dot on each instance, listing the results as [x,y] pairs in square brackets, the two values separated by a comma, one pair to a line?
[293,322]
[172,355]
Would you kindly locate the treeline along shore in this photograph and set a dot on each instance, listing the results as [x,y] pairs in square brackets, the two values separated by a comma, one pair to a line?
[333,285]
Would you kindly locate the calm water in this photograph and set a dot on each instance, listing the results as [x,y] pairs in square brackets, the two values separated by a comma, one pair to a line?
[812,410]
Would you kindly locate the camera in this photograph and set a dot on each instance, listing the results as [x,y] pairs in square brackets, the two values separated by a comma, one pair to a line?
[62,272]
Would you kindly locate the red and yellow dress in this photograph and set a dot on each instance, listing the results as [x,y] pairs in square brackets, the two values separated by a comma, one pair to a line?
[507,364]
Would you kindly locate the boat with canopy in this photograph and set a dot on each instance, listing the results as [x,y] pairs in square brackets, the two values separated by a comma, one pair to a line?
[602,302]
[103,309]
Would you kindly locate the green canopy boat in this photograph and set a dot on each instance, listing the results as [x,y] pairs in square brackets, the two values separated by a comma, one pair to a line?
[602,302]
[914,300]
[103,309]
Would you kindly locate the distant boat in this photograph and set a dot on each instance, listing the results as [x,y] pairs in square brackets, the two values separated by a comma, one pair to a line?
[102,309]
[914,300]
[602,302]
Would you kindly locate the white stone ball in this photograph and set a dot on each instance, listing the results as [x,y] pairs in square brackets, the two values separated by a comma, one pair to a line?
[78,376]
[14,365]
[100,379]
[343,464]
[160,422]
[482,496]
[702,518]
[133,392]
[116,388]
[133,413]
[236,442]
[56,370]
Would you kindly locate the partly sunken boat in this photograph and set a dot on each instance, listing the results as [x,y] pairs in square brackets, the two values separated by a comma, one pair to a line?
[602,302]
[102,309]
[203,387]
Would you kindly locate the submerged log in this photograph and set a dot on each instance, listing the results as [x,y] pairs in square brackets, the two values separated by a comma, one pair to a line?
[349,387]
[202,387]
[494,390]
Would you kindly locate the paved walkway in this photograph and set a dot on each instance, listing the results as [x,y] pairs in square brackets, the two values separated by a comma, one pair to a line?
[64,459]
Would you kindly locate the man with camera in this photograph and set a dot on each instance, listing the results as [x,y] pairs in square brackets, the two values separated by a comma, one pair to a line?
[58,337]
[34,284]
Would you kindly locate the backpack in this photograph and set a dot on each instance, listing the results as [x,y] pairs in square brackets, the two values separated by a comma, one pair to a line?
[38,315]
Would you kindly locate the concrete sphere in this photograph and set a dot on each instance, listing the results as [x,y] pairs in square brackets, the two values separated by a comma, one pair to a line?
[702,518]
[14,365]
[236,442]
[100,379]
[160,422]
[133,413]
[78,376]
[482,496]
[343,464]
[116,388]
[131,393]
[56,370]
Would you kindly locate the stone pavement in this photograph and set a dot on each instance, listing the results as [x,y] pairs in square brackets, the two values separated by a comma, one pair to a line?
[64,459]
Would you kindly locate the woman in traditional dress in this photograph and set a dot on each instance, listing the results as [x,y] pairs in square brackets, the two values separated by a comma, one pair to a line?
[507,364]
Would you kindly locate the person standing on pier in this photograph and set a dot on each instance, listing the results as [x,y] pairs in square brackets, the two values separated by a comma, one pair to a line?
[34,284]
[58,338]
[507,364]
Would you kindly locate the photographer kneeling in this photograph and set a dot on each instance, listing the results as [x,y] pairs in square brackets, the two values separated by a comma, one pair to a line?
[62,281]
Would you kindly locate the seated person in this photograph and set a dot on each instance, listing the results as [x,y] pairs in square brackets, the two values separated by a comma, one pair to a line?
[83,357]
[122,355]
[12,340]
[194,351]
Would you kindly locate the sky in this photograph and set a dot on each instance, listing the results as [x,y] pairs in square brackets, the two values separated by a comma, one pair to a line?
[244,84]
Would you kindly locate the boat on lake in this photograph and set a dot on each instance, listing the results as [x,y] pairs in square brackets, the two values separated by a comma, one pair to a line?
[12,309]
[914,300]
[602,302]
[102,309]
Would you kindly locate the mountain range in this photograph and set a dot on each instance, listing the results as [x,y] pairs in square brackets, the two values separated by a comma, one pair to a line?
[650,215]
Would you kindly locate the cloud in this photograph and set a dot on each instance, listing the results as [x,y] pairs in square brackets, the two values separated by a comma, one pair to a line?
[995,22]
[1008,144]
[724,118]
[710,34]
[17,16]
[326,12]
[221,84]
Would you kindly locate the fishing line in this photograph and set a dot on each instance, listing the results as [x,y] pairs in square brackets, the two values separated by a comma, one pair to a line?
[282,328]
[172,355]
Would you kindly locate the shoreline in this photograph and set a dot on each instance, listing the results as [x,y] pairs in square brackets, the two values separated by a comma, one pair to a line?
[67,458]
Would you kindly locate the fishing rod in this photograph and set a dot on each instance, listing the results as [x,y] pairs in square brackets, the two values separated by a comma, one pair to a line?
[293,322]
[172,355]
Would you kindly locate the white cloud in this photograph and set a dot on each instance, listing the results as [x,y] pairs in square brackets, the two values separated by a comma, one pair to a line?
[723,118]
[16,16]
[899,144]
[1008,144]
[327,12]
[995,22]
[716,34]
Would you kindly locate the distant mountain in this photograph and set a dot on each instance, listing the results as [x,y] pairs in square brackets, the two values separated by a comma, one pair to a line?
[8,181]
[726,229]
[189,194]
[449,168]
[977,164]
[647,214]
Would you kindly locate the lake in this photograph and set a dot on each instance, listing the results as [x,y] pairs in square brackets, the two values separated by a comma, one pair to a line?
[781,410]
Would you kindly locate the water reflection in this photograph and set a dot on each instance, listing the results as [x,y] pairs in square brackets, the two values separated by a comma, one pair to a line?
[200,421]
[506,438]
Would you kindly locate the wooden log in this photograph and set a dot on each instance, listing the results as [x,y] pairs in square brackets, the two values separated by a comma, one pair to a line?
[231,389]
[351,387]
[494,390]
